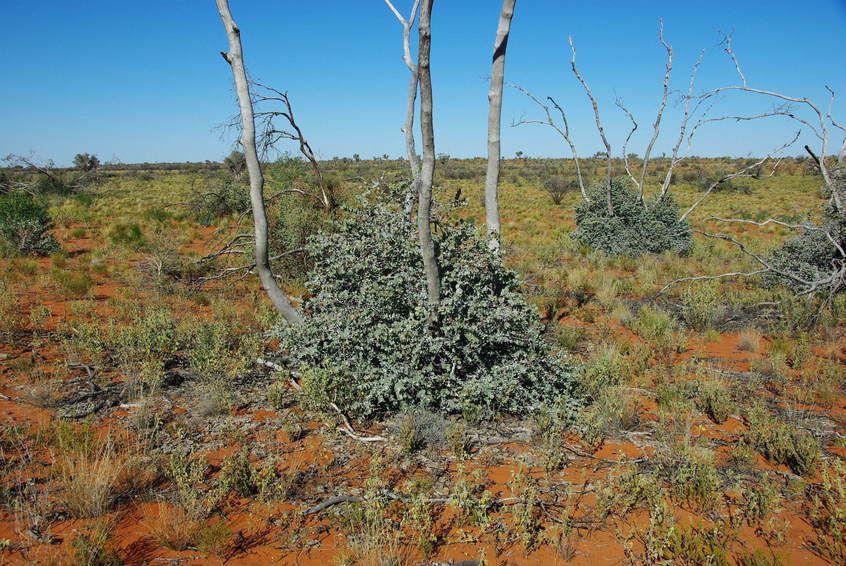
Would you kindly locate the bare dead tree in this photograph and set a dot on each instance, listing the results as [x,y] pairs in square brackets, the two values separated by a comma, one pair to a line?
[494,118]
[411,100]
[235,58]
[833,280]
[272,134]
[427,168]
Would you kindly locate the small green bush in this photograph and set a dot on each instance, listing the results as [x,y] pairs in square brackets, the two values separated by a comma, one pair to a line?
[635,228]
[24,225]
[367,327]
[129,235]
[228,196]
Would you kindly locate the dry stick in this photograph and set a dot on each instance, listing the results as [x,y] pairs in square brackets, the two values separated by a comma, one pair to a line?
[598,122]
[338,499]
[619,103]
[836,125]
[727,40]
[347,428]
[228,271]
[235,59]
[835,278]
[494,125]
[741,173]
[563,131]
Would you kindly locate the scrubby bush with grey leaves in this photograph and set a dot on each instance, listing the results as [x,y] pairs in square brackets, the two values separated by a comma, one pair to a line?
[366,344]
[811,256]
[635,228]
[24,225]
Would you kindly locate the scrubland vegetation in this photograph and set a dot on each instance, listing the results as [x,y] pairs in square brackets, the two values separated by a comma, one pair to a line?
[155,409]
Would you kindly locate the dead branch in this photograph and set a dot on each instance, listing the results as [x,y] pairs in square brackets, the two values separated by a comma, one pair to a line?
[271,135]
[563,130]
[686,115]
[619,103]
[834,281]
[656,126]
[745,172]
[599,126]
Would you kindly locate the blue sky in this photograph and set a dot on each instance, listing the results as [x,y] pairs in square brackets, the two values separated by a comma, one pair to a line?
[143,81]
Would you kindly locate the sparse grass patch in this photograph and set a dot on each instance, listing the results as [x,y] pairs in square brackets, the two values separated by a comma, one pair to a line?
[74,282]
[89,479]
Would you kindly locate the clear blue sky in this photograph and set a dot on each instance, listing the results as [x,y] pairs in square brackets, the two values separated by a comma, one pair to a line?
[143,81]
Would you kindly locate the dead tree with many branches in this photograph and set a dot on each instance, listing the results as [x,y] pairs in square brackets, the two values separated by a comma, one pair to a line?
[695,109]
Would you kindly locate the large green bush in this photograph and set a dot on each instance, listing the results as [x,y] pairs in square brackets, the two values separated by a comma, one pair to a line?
[633,229]
[24,225]
[811,255]
[366,343]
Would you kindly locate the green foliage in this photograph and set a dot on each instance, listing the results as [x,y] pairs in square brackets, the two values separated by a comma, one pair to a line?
[226,196]
[783,444]
[418,428]
[811,255]
[367,324]
[635,228]
[85,161]
[557,187]
[828,513]
[235,162]
[714,399]
[24,225]
[76,283]
[94,548]
[129,235]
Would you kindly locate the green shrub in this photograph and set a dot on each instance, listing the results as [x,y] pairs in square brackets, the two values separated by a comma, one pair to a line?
[24,225]
[73,282]
[367,327]
[783,444]
[129,235]
[225,197]
[634,228]
[811,255]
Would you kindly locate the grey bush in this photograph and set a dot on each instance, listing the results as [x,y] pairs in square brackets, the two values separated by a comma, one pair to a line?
[633,229]
[366,343]
[810,255]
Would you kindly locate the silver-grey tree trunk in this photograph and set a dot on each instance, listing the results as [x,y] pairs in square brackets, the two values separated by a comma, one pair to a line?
[427,166]
[235,58]
[494,123]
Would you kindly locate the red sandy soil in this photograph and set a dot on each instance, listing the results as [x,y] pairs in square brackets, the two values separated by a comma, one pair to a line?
[270,533]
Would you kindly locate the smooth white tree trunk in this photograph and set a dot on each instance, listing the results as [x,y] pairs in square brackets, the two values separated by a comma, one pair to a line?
[235,58]
[494,124]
